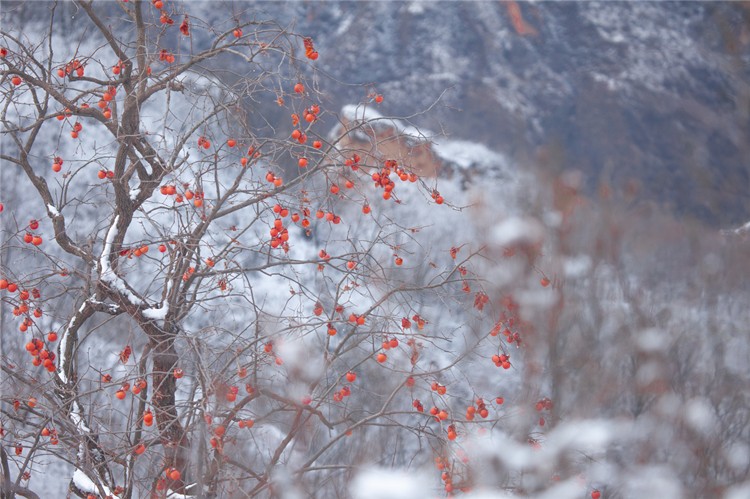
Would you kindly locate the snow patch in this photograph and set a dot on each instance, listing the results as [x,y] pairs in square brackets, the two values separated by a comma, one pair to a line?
[359,114]
[63,346]
[344,26]
[52,211]
[415,8]
[76,416]
[652,340]
[577,266]
[157,314]
[176,495]
[517,230]
[701,416]
[468,154]
[382,483]
[108,275]
[741,491]
[85,484]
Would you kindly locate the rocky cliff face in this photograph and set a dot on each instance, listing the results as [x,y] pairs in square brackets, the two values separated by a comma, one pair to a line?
[658,93]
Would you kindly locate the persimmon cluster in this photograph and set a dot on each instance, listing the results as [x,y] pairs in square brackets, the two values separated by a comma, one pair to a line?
[502,360]
[383,179]
[507,324]
[343,393]
[204,142]
[67,113]
[438,388]
[166,56]
[437,197]
[439,414]
[165,19]
[188,273]
[480,408]
[40,354]
[421,322]
[480,300]
[360,321]
[77,127]
[302,219]
[387,344]
[23,309]
[544,404]
[29,237]
[57,164]
[279,235]
[48,432]
[272,178]
[139,385]
[310,114]
[73,66]
[195,196]
[268,348]
[353,162]
[310,51]
[107,97]
[134,252]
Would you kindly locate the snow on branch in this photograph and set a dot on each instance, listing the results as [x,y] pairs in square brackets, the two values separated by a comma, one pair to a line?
[108,275]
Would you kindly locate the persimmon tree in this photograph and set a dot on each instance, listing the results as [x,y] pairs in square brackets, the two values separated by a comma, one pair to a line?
[214,296]
[217,283]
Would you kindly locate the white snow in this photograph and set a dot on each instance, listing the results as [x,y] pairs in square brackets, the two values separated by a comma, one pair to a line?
[466,154]
[738,455]
[740,491]
[577,266]
[517,230]
[359,113]
[344,25]
[52,211]
[134,193]
[415,8]
[160,313]
[64,345]
[652,340]
[700,415]
[384,483]
[85,484]
[107,274]
[175,495]
[157,314]
[77,418]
